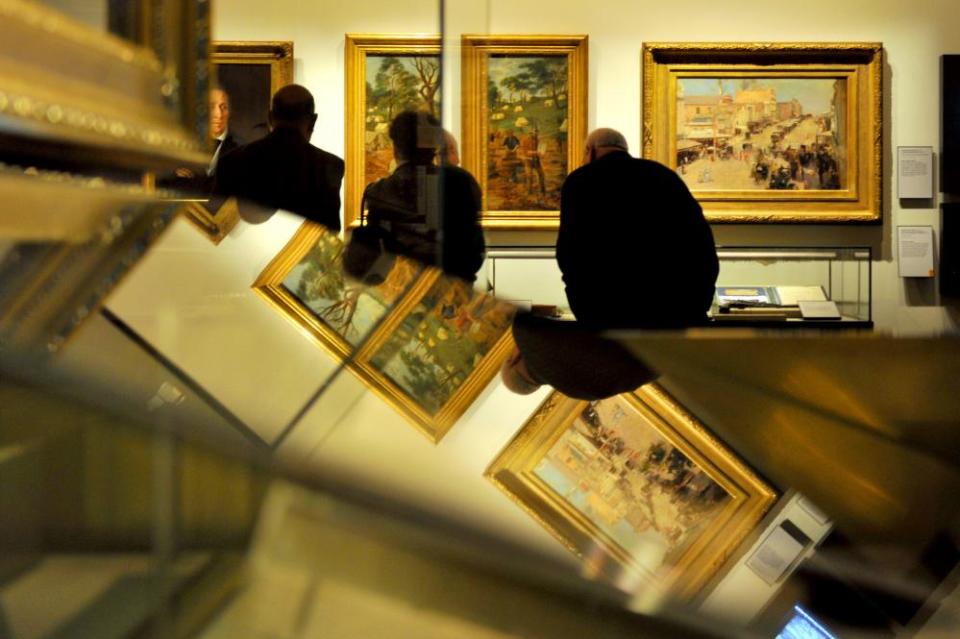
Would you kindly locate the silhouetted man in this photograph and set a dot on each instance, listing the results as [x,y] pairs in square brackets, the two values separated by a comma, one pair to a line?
[422,210]
[283,170]
[635,252]
[634,248]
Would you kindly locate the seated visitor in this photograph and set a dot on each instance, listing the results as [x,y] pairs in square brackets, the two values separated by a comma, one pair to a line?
[636,253]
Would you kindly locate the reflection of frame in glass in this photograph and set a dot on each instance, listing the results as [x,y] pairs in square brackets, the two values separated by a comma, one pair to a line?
[98,97]
[368,148]
[617,479]
[277,58]
[790,156]
[417,327]
[524,122]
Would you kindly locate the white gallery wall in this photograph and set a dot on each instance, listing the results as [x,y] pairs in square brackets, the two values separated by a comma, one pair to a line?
[192,300]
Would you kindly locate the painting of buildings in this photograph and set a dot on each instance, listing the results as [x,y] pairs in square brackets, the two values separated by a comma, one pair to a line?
[761,133]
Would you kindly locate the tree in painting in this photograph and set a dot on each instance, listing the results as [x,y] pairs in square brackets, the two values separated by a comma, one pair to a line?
[349,308]
[395,83]
[527,120]
[442,341]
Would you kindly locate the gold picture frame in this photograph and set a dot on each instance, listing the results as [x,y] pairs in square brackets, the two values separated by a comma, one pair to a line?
[550,115]
[769,132]
[217,217]
[363,118]
[635,486]
[426,343]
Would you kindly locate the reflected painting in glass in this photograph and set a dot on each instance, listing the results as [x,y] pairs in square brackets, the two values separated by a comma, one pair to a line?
[635,485]
[427,343]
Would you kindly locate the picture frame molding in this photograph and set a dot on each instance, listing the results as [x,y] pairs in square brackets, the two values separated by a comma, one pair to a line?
[278,54]
[357,46]
[513,473]
[475,50]
[860,62]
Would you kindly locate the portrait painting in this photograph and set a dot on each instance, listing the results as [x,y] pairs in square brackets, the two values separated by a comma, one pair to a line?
[639,478]
[385,75]
[245,77]
[426,343]
[769,132]
[524,115]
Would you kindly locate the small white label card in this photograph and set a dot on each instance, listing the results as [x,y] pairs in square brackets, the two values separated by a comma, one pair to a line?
[915,172]
[822,309]
[915,249]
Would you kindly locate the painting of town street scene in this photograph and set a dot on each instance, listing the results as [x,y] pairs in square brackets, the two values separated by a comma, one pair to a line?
[442,341]
[527,113]
[615,468]
[755,133]
[395,83]
[347,308]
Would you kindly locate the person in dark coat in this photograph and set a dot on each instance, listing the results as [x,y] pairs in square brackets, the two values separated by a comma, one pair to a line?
[636,253]
[422,210]
[634,248]
[283,170]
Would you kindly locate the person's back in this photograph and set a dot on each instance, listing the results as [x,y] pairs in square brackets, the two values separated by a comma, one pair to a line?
[283,170]
[634,247]
[429,212]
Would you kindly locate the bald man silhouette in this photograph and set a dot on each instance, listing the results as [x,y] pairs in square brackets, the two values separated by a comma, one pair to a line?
[283,170]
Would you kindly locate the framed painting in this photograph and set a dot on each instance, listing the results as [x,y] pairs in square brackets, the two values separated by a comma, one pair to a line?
[385,75]
[426,343]
[634,485]
[524,123]
[247,74]
[769,132]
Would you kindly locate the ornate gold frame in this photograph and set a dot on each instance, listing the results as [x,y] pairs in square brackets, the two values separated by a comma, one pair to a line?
[476,50]
[862,66]
[279,56]
[62,80]
[513,473]
[356,49]
[269,285]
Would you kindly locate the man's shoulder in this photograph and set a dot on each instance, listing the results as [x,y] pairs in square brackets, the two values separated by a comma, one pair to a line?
[325,157]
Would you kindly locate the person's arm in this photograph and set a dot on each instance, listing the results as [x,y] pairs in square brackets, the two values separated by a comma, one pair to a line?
[330,204]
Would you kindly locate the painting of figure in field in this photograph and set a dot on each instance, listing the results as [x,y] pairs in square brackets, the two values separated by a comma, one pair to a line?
[349,309]
[629,481]
[442,341]
[395,83]
[527,110]
[762,133]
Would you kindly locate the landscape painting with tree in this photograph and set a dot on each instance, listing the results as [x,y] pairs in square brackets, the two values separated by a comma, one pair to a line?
[395,83]
[426,343]
[524,123]
[527,134]
[385,75]
[635,485]
[347,308]
[758,133]
[441,342]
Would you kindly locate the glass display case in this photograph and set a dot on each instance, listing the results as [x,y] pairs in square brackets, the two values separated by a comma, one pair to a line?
[766,284]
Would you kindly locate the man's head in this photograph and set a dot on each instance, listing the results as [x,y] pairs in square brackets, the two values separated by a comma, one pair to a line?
[293,108]
[516,376]
[603,141]
[219,112]
[449,154]
[416,137]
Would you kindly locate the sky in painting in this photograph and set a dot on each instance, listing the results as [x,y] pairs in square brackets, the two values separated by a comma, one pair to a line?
[815,94]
